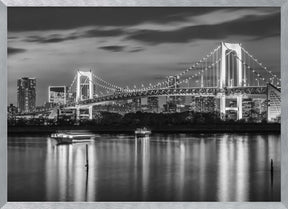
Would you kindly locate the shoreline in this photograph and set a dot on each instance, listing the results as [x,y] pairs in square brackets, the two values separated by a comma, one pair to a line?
[196,128]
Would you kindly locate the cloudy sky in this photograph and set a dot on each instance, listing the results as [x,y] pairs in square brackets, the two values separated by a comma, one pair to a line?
[128,46]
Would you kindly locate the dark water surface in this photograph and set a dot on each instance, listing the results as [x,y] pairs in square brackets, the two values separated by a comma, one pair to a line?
[172,167]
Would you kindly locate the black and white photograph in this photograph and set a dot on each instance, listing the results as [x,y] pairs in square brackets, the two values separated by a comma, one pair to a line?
[132,104]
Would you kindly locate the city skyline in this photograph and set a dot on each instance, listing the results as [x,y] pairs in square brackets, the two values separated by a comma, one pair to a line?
[123,50]
[151,101]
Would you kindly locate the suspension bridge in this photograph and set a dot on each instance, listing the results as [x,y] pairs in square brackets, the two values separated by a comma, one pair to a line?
[227,72]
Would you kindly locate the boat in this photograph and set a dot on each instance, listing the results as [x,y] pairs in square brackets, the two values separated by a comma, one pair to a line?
[142,132]
[68,138]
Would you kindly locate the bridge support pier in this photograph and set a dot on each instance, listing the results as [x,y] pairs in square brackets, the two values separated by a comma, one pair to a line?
[90,109]
[239,106]
[79,114]
[223,107]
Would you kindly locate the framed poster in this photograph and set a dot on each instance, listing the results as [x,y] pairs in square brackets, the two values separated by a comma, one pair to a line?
[143,104]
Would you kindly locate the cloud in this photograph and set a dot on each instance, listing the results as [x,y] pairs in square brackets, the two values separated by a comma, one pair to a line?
[136,49]
[12,37]
[54,38]
[91,33]
[102,33]
[12,51]
[253,26]
[39,19]
[118,48]
[113,48]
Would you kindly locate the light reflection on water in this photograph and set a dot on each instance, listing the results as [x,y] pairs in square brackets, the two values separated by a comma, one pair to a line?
[174,167]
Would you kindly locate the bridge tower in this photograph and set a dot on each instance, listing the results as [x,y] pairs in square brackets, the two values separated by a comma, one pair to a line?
[231,74]
[84,85]
[231,67]
[84,90]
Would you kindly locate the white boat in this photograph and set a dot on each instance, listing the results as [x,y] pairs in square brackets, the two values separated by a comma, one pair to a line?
[65,137]
[141,132]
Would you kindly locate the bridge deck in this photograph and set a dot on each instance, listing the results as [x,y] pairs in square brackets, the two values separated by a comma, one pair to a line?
[193,91]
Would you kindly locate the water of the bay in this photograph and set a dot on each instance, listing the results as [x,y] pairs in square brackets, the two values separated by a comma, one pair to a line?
[163,167]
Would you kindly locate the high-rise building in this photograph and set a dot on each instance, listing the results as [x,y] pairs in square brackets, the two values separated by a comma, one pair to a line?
[57,94]
[26,94]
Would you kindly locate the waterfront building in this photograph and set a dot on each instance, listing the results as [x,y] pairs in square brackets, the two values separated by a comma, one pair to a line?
[153,104]
[136,104]
[26,94]
[57,94]
[68,115]
[49,105]
[12,110]
[203,104]
[259,110]
[247,105]
[170,107]
[183,108]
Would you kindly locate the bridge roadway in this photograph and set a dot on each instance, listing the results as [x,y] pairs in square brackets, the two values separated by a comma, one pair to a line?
[193,91]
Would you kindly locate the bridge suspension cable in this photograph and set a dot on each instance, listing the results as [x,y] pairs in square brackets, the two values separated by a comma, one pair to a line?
[70,87]
[193,67]
[257,74]
[200,72]
[260,64]
[199,62]
[211,66]
[109,84]
[192,76]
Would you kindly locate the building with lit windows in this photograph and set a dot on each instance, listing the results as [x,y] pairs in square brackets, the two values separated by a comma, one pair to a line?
[153,104]
[26,94]
[57,94]
[203,104]
[247,105]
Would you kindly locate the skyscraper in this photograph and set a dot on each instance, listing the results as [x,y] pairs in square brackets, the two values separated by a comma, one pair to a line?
[26,94]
